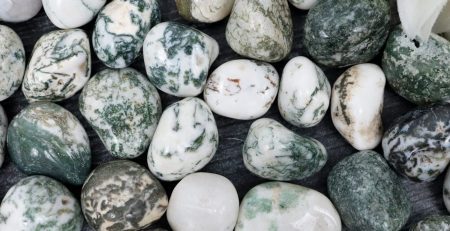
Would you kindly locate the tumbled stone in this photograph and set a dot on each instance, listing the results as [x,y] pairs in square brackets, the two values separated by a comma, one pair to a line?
[303,4]
[432,223]
[67,14]
[19,10]
[3,134]
[207,11]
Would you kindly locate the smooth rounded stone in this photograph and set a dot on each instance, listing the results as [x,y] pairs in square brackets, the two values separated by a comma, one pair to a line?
[304,94]
[303,4]
[46,139]
[274,152]
[432,223]
[242,89]
[206,11]
[123,107]
[40,203]
[368,194]
[185,140]
[203,202]
[121,28]
[122,195]
[19,10]
[417,145]
[177,58]
[3,134]
[279,206]
[67,14]
[59,67]
[418,71]
[357,104]
[346,32]
[261,29]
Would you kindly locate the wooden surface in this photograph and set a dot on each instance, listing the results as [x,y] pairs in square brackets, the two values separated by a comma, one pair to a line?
[426,198]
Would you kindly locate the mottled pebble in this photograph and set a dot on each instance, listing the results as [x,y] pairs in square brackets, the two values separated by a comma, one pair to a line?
[12,62]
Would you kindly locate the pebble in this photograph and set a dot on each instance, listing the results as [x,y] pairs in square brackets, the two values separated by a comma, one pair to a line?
[59,67]
[433,223]
[203,202]
[357,103]
[123,107]
[46,139]
[67,14]
[3,134]
[274,152]
[260,30]
[185,140]
[122,195]
[303,4]
[19,10]
[446,191]
[205,11]
[40,203]
[304,94]
[177,58]
[278,206]
[242,89]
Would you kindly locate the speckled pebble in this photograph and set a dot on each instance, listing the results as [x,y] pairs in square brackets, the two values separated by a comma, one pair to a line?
[206,11]
[432,223]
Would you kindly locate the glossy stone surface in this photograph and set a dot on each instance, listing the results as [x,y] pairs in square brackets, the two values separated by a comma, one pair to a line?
[261,29]
[185,140]
[274,152]
[40,203]
[304,94]
[121,28]
[417,145]
[368,194]
[357,103]
[67,14]
[303,4]
[3,133]
[203,202]
[432,223]
[206,11]
[59,67]
[242,89]
[46,139]
[177,58]
[19,10]
[279,206]
[346,32]
[122,195]
[123,107]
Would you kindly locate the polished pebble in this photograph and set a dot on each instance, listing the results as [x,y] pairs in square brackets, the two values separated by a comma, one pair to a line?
[3,134]
[206,11]
[303,4]
[432,223]
[19,10]
[67,14]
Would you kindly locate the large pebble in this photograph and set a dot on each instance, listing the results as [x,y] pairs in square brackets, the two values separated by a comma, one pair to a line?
[242,89]
[67,14]
[3,134]
[432,223]
[177,58]
[206,11]
[59,67]
[274,152]
[185,140]
[19,10]
[203,202]
[123,107]
[303,4]
[46,139]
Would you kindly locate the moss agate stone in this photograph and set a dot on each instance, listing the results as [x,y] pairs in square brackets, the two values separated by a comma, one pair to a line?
[432,223]
[206,11]
[123,107]
[66,14]
[40,203]
[46,139]
[274,152]
[3,134]
[368,194]
[341,33]
[122,195]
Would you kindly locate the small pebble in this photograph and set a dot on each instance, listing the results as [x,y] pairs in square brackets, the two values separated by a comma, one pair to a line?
[19,10]
[3,134]
[433,223]
[206,11]
[303,4]
[67,14]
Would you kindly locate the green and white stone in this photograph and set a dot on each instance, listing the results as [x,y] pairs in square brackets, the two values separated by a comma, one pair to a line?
[3,134]
[418,71]
[177,58]
[432,223]
[368,194]
[346,32]
[59,67]
[206,11]
[303,4]
[261,29]
[274,152]
[357,104]
[417,144]
[123,107]
[278,206]
[122,195]
[46,139]
[185,140]
[304,94]
[121,28]
[40,203]
[12,62]
[19,10]
[67,14]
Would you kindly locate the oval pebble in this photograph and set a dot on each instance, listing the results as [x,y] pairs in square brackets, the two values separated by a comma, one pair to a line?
[206,11]
[303,4]
[19,10]
[67,14]
[432,223]
[3,134]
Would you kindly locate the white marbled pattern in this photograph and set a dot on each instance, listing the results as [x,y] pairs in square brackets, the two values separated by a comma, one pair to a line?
[303,4]
[67,14]
[3,130]
[19,10]
[206,11]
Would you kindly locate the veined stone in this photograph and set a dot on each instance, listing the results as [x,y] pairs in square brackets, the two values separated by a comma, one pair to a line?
[274,152]
[60,65]
[67,14]
[122,195]
[207,11]
[177,58]
[185,140]
[304,94]
[432,223]
[357,103]
[261,29]
[121,28]
[303,4]
[40,203]
[19,10]
[242,89]
[46,139]
[279,206]
[123,107]
[3,134]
